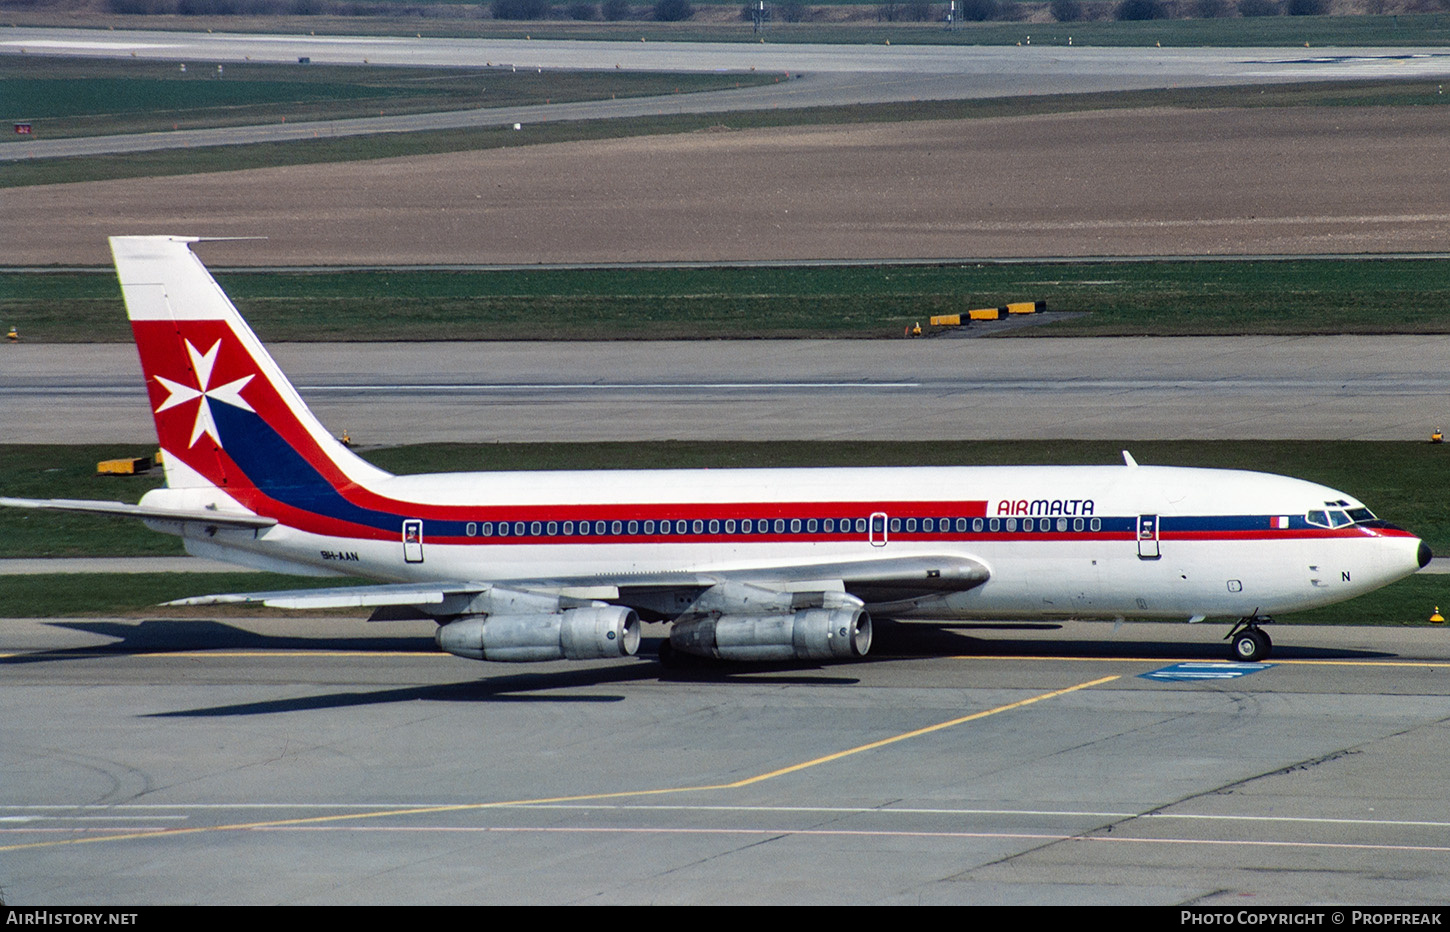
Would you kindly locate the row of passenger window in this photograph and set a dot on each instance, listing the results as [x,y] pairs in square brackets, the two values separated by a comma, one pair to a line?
[669,528]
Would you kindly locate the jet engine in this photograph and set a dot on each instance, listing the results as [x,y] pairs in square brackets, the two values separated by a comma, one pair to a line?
[590,633]
[813,634]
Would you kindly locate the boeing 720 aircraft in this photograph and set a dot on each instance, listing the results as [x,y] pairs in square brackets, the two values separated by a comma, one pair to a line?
[745,564]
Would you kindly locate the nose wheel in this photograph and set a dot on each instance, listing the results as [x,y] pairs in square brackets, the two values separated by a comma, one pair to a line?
[1248,642]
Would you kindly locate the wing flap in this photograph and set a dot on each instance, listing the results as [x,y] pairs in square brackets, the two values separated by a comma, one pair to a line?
[922,574]
[429,595]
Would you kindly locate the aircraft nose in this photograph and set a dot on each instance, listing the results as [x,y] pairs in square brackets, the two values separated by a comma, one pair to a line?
[1424,555]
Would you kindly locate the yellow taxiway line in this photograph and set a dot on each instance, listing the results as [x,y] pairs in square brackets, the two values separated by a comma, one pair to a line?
[464,807]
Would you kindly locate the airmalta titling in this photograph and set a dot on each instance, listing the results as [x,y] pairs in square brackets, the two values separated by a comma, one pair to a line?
[1067,507]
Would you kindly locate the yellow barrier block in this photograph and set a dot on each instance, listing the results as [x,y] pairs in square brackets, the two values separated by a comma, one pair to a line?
[1022,307]
[986,313]
[947,320]
[123,467]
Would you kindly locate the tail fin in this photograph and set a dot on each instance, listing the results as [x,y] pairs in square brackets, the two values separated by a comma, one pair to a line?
[226,416]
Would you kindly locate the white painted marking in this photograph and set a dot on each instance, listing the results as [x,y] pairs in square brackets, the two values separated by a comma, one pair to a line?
[93,830]
[150,817]
[597,387]
[82,44]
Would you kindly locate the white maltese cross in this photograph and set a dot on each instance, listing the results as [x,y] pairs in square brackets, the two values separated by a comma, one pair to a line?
[230,393]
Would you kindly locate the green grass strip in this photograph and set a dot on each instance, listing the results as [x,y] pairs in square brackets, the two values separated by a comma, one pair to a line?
[1121,298]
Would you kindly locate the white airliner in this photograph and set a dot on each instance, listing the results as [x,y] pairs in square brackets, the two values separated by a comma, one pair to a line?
[746,564]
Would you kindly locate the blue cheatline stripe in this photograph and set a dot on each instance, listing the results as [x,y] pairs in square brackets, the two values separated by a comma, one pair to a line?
[1201,523]
[275,468]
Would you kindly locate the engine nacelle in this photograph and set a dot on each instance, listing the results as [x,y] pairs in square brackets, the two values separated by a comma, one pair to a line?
[814,634]
[590,633]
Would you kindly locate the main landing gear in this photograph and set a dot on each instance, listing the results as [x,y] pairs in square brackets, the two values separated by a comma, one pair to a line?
[1248,642]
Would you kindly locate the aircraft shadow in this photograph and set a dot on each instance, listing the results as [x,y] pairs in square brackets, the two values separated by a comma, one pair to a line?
[516,688]
[162,636]
[893,641]
[913,639]
[533,686]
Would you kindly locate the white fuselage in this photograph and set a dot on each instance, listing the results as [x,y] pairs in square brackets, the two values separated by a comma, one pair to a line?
[1077,541]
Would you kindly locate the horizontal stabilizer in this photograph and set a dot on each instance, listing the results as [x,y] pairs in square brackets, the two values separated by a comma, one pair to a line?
[123,510]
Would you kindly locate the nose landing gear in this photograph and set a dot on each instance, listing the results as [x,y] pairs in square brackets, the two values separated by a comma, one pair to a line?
[1248,642]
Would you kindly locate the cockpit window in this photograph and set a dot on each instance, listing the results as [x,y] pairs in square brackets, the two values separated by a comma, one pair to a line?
[1338,517]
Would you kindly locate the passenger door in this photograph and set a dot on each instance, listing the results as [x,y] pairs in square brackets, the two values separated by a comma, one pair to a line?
[1148,537]
[413,541]
[876,529]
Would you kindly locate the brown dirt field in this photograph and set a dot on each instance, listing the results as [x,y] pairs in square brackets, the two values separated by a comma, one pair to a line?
[1159,182]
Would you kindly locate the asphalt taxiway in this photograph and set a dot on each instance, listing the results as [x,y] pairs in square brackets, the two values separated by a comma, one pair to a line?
[332,761]
[1265,387]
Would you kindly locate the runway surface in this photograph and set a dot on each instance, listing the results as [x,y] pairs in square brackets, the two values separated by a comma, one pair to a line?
[310,761]
[819,75]
[1370,388]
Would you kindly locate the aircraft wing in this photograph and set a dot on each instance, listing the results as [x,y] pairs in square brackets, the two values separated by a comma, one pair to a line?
[883,579]
[123,510]
[428,595]
[873,581]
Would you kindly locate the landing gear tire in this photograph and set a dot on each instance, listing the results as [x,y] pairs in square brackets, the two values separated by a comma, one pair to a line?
[1251,645]
[1248,643]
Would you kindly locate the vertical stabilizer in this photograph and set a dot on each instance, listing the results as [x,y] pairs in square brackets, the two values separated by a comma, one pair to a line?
[225,414]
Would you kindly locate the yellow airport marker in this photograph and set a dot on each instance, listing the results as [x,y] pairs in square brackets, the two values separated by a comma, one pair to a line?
[129,466]
[1437,618]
